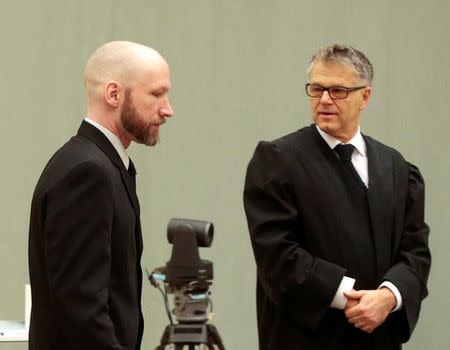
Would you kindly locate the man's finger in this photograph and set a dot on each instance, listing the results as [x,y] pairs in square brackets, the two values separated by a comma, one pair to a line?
[353,311]
[351,303]
[356,320]
[354,294]
[367,329]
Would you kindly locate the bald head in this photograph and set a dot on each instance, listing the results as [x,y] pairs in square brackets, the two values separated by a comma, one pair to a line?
[120,61]
[127,86]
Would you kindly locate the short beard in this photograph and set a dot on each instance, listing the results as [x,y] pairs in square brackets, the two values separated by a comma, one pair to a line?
[134,123]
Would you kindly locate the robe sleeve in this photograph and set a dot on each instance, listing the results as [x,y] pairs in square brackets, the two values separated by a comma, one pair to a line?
[302,284]
[413,259]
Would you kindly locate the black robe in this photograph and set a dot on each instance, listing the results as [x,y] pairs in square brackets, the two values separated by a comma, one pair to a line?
[294,198]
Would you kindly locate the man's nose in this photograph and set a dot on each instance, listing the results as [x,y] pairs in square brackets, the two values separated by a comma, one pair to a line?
[326,98]
[167,110]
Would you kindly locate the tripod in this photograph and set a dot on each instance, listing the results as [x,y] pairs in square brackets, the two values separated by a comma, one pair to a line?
[191,335]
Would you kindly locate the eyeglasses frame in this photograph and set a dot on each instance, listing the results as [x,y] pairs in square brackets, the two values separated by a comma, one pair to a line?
[347,89]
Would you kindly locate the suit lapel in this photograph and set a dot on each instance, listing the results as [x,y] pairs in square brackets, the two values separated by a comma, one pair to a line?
[380,200]
[96,136]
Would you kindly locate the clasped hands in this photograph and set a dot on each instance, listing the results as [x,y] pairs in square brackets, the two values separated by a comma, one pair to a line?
[368,309]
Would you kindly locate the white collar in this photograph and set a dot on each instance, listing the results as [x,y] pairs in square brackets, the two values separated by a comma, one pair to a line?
[357,140]
[115,141]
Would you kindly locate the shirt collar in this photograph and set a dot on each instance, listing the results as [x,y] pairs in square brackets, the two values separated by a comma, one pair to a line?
[357,140]
[115,141]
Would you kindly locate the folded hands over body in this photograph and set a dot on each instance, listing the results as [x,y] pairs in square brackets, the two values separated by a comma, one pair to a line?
[368,309]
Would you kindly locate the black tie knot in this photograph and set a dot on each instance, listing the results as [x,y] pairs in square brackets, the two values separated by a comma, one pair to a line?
[345,152]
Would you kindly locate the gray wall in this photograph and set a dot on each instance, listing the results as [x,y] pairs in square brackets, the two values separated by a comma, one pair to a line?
[238,76]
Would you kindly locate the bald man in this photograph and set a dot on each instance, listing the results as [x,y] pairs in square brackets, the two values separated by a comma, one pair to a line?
[85,240]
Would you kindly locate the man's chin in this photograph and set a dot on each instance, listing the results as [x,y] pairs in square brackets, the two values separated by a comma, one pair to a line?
[326,126]
[151,141]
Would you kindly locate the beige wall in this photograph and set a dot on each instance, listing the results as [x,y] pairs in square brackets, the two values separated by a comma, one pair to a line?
[238,76]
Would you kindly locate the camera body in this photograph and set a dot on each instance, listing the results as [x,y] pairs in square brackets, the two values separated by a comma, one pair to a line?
[186,275]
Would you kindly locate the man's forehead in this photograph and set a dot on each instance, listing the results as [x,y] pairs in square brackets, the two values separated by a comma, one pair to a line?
[156,77]
[332,73]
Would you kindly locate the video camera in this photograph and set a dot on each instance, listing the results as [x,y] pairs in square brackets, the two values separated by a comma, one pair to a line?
[186,275]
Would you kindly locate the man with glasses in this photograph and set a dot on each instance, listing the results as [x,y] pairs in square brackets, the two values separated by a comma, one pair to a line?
[336,221]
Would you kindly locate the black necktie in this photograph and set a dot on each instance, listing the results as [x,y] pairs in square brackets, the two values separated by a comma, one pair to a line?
[132,172]
[345,155]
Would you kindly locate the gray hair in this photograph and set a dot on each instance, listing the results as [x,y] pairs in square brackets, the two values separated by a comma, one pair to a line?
[344,54]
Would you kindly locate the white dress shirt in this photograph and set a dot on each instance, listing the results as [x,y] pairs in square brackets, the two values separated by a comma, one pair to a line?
[359,161]
[115,141]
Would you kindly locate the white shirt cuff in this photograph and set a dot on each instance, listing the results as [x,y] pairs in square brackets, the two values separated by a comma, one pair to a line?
[340,300]
[396,293]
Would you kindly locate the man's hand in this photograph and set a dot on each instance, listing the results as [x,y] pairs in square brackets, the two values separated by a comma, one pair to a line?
[372,308]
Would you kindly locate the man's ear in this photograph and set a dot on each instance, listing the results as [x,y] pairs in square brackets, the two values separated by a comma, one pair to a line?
[367,93]
[112,94]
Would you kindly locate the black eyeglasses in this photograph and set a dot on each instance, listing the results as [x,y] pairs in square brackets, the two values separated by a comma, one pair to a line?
[335,92]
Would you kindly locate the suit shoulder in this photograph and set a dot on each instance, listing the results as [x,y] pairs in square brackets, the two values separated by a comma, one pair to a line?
[292,141]
[402,165]
[74,154]
[384,149]
[79,150]
[285,147]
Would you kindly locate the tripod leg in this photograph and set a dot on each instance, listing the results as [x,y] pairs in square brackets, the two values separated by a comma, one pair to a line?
[164,340]
[210,345]
[214,338]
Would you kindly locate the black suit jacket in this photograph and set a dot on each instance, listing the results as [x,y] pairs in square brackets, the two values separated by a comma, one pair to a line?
[293,198]
[85,246]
